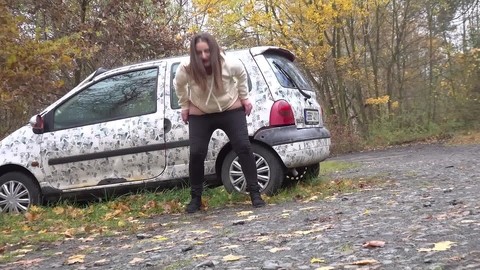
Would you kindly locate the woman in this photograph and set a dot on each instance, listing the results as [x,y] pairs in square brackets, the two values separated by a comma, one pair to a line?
[213,94]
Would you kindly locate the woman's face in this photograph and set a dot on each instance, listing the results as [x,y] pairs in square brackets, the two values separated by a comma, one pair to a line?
[203,52]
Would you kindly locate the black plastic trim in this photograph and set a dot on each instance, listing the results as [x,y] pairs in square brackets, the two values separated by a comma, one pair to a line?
[290,134]
[119,152]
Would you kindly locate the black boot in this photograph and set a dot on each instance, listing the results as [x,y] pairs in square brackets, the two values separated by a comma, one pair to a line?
[196,201]
[194,204]
[257,200]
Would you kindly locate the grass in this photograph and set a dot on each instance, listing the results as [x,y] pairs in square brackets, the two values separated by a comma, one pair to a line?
[130,213]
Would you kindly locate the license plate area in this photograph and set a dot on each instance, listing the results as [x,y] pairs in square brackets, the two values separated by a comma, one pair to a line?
[312,117]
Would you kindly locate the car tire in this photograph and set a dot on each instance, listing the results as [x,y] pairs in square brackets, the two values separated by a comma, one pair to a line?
[269,170]
[304,172]
[18,191]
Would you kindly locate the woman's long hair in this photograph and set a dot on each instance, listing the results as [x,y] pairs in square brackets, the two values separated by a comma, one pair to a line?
[196,68]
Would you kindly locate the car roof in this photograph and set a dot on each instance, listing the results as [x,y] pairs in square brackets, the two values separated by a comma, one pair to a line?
[253,50]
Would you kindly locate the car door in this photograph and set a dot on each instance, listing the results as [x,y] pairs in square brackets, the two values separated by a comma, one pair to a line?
[109,132]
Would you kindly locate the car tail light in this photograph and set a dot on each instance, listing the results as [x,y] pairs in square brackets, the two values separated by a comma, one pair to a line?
[281,114]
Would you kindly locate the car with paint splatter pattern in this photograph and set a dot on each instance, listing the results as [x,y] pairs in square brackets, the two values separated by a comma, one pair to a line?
[122,128]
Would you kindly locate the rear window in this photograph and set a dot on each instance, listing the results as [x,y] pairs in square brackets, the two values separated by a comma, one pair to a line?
[288,74]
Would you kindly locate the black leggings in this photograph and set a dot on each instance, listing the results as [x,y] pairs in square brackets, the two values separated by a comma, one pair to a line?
[234,124]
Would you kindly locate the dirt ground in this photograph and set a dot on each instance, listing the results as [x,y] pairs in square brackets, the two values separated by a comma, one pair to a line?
[426,216]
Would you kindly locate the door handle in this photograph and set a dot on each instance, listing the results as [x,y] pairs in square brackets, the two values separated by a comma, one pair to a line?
[167,125]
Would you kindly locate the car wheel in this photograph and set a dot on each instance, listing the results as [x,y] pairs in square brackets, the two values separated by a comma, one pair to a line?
[17,192]
[304,172]
[269,171]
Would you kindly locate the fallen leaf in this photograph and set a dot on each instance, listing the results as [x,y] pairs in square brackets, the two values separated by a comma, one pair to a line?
[313,198]
[2,249]
[75,259]
[200,231]
[136,260]
[440,246]
[28,262]
[244,213]
[31,216]
[196,256]
[160,238]
[150,204]
[274,250]
[231,258]
[58,210]
[23,251]
[317,260]
[230,247]
[69,233]
[308,208]
[303,232]
[374,243]
[101,262]
[325,268]
[262,238]
[365,262]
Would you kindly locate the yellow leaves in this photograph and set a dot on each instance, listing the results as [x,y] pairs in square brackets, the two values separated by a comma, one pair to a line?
[160,238]
[365,262]
[317,260]
[231,258]
[59,210]
[69,233]
[440,246]
[378,101]
[395,105]
[75,259]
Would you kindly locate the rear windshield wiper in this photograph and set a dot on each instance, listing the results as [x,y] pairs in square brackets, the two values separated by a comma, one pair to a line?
[306,95]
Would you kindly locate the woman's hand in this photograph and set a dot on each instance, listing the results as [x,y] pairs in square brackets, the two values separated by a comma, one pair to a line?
[247,105]
[185,113]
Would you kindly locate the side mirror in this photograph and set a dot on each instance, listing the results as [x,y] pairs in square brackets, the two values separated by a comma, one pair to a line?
[37,124]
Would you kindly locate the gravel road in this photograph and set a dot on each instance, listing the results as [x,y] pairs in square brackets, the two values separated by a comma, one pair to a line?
[426,216]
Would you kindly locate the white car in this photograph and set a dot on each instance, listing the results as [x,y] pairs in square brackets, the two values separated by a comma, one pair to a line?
[122,127]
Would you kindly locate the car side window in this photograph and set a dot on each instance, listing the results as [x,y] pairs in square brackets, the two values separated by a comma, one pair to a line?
[288,74]
[120,96]
[173,95]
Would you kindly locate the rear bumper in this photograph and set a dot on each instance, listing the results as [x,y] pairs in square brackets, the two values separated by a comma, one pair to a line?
[290,134]
[297,147]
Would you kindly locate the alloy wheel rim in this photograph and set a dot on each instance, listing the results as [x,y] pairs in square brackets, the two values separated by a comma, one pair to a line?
[14,197]
[238,179]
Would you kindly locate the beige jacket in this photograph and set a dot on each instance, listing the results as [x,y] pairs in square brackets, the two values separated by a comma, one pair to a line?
[234,79]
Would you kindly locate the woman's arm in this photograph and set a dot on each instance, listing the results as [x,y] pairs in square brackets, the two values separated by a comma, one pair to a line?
[180,83]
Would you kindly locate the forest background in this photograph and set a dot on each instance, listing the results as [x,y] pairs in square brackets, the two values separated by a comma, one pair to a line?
[386,71]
